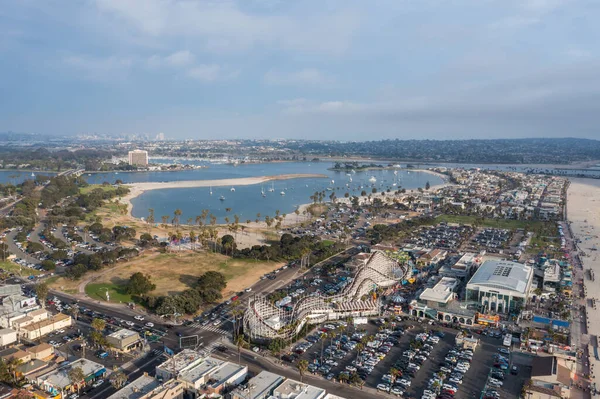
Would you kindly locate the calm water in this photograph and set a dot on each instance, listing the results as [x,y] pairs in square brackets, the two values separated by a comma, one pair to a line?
[17,177]
[247,201]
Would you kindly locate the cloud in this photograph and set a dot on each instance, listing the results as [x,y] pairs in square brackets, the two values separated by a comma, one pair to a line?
[303,77]
[98,68]
[225,26]
[211,72]
[552,102]
[177,59]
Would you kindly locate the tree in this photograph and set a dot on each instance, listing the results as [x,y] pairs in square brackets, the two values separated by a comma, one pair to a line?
[302,367]
[228,244]
[150,218]
[117,379]
[98,324]
[77,376]
[4,253]
[427,185]
[139,284]
[48,265]
[41,291]
[177,214]
[240,343]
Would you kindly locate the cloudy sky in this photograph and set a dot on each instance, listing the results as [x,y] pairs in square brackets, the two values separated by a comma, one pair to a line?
[326,69]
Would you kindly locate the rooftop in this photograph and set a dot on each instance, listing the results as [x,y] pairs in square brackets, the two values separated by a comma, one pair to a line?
[502,274]
[225,372]
[122,334]
[291,389]
[40,324]
[199,371]
[441,292]
[137,388]
[59,378]
[260,385]
[186,359]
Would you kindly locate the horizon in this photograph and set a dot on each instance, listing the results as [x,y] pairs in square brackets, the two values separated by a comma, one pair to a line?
[268,69]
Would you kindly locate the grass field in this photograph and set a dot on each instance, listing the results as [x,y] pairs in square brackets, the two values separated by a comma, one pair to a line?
[11,267]
[172,273]
[116,293]
[91,187]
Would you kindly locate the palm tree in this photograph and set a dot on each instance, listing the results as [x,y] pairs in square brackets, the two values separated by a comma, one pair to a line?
[240,343]
[117,379]
[150,219]
[41,290]
[76,376]
[395,373]
[302,367]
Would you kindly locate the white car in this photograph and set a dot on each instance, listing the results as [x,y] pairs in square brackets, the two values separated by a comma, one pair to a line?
[149,324]
[383,387]
[405,383]
[248,289]
[130,323]
[139,317]
[97,383]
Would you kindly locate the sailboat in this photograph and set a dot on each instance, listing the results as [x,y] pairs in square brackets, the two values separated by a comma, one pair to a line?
[210,188]
[282,193]
[262,191]
[272,189]
[32,174]
[372,179]
[232,189]
[222,198]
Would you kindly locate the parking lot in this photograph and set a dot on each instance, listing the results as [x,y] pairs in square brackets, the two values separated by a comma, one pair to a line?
[406,359]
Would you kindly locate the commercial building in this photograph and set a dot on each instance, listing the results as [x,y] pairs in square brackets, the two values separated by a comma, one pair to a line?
[441,293]
[291,389]
[137,389]
[35,330]
[178,364]
[138,158]
[227,375]
[124,340]
[500,286]
[259,387]
[551,377]
[57,381]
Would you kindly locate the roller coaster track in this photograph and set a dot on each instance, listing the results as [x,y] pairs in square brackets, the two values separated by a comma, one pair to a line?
[263,320]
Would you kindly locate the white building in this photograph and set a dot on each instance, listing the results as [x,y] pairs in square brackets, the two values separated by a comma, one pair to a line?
[500,286]
[441,293]
[138,158]
[259,387]
[7,336]
[291,389]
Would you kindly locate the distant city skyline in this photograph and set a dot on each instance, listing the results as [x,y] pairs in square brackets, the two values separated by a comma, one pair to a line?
[339,70]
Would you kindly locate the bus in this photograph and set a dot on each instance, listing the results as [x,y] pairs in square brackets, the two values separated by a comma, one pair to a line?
[507,340]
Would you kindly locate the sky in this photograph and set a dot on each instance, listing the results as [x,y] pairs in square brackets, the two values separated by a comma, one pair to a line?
[304,69]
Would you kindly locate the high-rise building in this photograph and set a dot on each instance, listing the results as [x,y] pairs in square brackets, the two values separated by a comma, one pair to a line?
[160,137]
[138,158]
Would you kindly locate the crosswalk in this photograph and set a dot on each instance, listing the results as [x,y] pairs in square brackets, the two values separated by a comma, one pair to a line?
[209,327]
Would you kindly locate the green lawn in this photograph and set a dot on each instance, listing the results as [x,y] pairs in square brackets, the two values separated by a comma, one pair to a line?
[116,293]
[11,267]
[91,187]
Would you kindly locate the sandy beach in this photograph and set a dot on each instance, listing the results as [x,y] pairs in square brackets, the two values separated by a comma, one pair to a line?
[583,213]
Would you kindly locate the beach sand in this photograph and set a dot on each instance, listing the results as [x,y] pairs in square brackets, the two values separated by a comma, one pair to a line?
[583,213]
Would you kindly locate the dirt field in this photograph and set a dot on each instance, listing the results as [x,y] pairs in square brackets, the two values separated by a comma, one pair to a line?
[174,273]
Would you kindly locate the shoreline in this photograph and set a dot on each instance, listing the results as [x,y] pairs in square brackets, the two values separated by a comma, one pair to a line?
[137,189]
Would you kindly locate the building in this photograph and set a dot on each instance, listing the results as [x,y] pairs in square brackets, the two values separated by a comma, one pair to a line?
[58,381]
[137,388]
[291,389]
[441,293]
[7,336]
[35,330]
[551,377]
[259,387]
[180,363]
[500,286]
[124,340]
[227,375]
[138,158]
[197,376]
[41,351]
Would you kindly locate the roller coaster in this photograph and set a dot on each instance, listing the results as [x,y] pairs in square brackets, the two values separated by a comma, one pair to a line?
[263,320]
